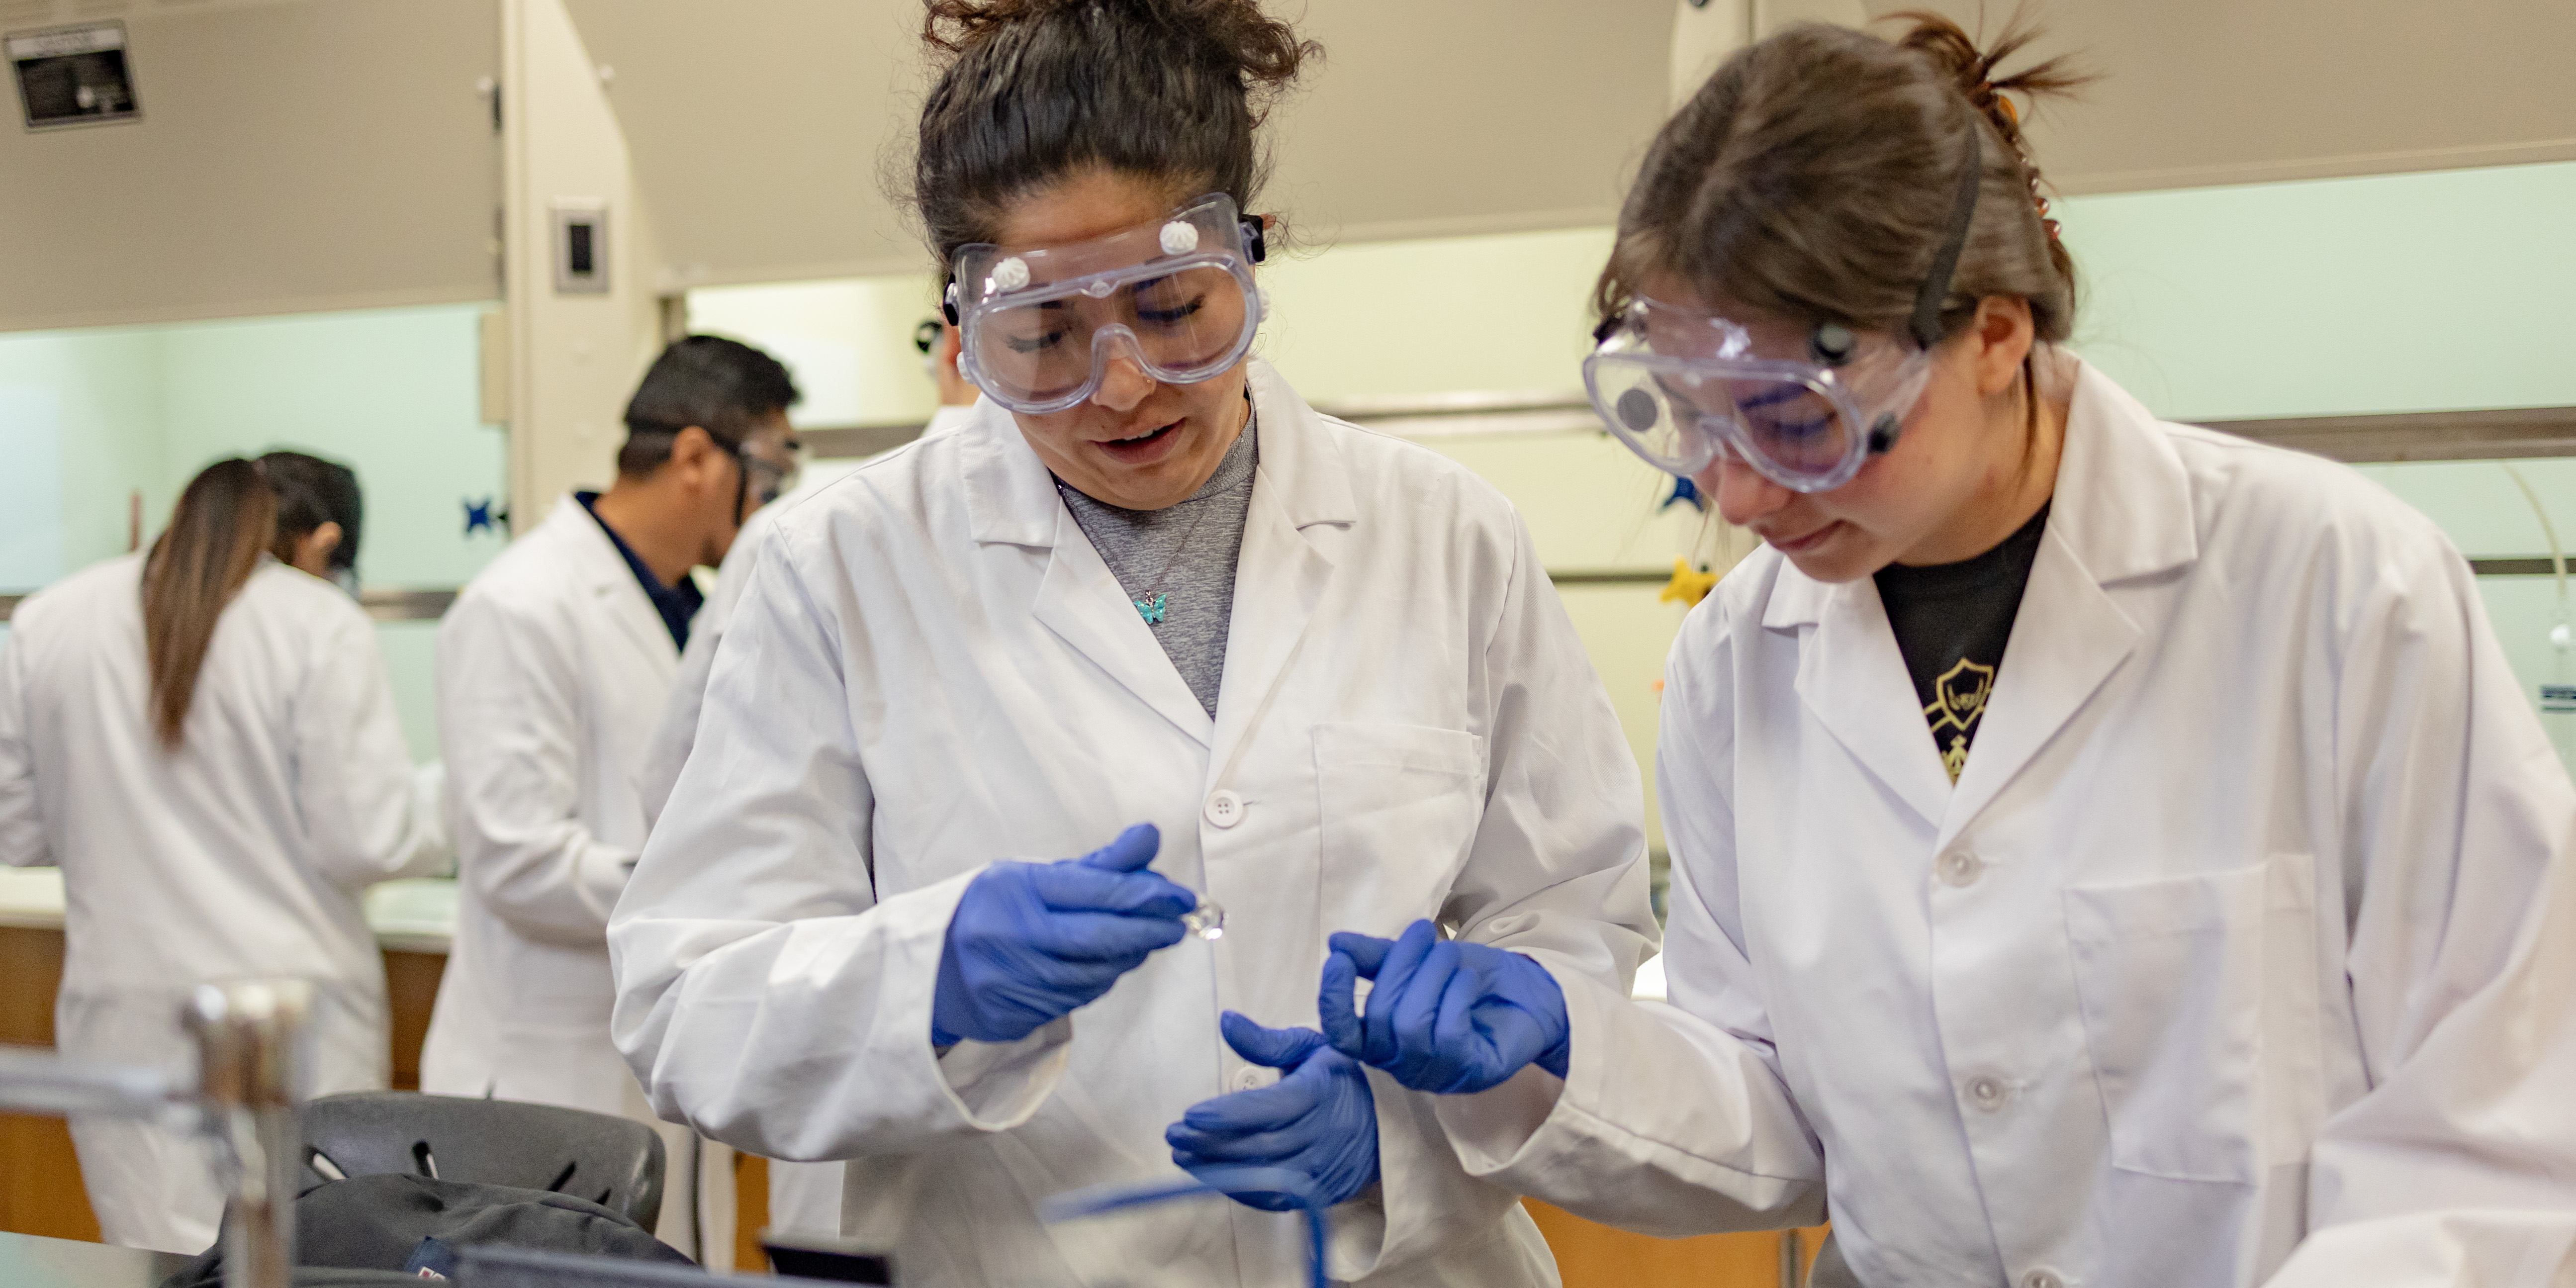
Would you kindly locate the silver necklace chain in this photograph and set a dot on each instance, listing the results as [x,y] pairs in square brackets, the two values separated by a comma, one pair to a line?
[1149,605]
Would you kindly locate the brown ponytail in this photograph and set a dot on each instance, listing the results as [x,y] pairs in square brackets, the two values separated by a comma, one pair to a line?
[225,520]
[1973,71]
[1813,177]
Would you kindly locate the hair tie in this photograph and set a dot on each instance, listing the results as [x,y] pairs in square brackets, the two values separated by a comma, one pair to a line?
[1987,93]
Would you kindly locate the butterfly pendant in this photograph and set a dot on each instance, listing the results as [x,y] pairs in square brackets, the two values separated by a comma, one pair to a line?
[1151,610]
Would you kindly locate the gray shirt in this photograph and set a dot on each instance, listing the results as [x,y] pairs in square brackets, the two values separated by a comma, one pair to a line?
[1185,556]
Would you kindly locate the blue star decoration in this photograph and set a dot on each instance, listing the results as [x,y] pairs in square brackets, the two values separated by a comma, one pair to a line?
[479,516]
[1684,490]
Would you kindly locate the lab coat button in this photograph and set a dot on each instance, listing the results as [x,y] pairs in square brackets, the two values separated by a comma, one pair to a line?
[2043,1278]
[1960,868]
[1989,1093]
[1225,809]
[1247,1078]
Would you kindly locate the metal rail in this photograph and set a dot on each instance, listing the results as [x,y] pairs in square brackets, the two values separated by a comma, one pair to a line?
[2358,439]
[382,605]
[251,1056]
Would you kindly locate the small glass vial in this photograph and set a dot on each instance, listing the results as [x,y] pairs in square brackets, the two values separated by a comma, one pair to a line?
[1207,921]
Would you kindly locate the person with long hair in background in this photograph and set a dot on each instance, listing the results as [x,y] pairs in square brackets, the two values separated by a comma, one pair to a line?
[203,738]
[2105,851]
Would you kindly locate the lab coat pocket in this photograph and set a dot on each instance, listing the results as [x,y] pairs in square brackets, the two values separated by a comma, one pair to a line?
[1399,808]
[2199,1000]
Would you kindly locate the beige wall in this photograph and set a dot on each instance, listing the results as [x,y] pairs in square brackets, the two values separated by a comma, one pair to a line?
[2202,92]
[574,359]
[292,156]
[310,154]
[762,140]
[756,127]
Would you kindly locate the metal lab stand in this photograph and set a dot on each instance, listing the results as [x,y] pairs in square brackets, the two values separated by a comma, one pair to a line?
[251,1060]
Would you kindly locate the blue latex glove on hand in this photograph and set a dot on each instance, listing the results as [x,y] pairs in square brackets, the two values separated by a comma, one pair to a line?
[1030,942]
[1319,1122]
[1445,1016]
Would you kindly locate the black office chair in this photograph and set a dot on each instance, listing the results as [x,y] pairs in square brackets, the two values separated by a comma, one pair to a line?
[614,1162]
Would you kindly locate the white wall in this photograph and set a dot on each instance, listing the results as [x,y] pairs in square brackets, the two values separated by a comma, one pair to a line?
[90,402]
[848,341]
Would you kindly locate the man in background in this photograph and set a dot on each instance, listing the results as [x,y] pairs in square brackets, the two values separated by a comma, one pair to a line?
[553,669]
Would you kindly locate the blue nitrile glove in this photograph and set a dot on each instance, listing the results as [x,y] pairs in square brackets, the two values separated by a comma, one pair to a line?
[1319,1122]
[1445,1016]
[1030,942]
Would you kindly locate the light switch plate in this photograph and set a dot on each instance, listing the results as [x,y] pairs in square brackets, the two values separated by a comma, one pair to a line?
[581,246]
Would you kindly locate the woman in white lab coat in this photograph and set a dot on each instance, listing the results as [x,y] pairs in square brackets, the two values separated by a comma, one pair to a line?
[2105,851]
[203,738]
[1144,583]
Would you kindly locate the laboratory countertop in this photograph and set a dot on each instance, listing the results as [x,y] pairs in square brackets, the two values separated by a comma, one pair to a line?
[408,916]
[33,1261]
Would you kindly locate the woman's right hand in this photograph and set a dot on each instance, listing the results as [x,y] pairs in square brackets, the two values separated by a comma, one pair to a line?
[1031,942]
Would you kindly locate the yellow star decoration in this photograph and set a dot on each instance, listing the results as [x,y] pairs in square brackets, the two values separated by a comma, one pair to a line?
[1688,586]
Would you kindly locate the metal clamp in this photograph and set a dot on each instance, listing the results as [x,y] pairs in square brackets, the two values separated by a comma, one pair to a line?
[253,1069]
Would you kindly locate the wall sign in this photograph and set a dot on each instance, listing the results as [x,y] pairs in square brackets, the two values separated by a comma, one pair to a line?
[73,75]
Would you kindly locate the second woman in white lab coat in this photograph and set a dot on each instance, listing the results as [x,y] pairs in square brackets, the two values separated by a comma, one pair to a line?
[2105,852]
[1145,583]
[203,738]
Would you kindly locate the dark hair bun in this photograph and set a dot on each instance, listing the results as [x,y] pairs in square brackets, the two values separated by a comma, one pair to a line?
[1174,91]
[1267,52]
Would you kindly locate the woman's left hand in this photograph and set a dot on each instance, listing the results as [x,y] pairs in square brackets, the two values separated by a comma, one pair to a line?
[1319,1122]
[1445,1016]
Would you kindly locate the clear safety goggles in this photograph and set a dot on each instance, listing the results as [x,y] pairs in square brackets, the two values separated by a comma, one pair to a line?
[1807,410]
[770,471]
[1039,324]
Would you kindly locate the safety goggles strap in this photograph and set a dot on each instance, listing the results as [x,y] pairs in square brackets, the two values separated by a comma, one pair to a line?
[1926,322]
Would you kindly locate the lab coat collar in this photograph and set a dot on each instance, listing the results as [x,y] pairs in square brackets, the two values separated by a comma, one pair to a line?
[2122,510]
[2122,504]
[1299,461]
[1303,480]
[1011,498]
[597,567]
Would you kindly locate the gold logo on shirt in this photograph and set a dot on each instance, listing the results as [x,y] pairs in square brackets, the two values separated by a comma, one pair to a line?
[1958,704]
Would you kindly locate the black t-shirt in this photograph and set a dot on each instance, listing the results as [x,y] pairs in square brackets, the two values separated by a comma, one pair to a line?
[1952,622]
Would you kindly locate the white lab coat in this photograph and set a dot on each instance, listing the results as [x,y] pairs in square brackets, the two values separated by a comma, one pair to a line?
[679,728]
[802,1196]
[553,668]
[934,670]
[680,722]
[243,853]
[2249,921]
